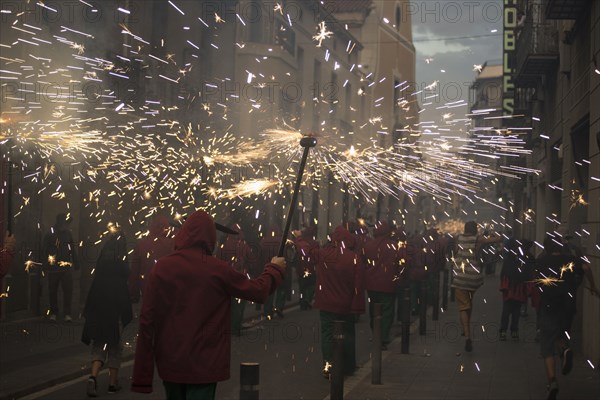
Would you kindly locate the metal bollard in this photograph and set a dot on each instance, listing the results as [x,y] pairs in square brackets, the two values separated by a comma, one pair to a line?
[423,308]
[377,342]
[249,380]
[405,319]
[445,289]
[435,315]
[337,368]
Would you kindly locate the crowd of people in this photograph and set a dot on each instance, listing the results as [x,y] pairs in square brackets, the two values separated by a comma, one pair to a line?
[193,291]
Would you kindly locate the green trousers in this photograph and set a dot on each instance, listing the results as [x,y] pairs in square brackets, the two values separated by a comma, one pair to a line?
[327,320]
[388,301]
[237,315]
[184,391]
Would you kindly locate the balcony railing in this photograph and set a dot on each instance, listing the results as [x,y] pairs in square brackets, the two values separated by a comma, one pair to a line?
[537,52]
[565,9]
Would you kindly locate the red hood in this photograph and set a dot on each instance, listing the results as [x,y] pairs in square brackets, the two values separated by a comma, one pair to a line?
[159,226]
[340,235]
[197,231]
[382,229]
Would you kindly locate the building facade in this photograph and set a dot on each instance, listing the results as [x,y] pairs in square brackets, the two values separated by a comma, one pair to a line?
[557,89]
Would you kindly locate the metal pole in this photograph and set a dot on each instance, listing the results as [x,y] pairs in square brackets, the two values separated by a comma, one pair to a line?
[445,289]
[405,319]
[436,296]
[249,381]
[423,308]
[9,189]
[377,339]
[307,142]
[337,368]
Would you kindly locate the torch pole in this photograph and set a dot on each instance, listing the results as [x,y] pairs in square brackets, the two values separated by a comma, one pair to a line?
[307,142]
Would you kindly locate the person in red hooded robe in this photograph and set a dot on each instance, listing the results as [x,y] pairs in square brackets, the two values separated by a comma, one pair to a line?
[236,252]
[186,314]
[339,295]
[145,254]
[7,252]
[382,271]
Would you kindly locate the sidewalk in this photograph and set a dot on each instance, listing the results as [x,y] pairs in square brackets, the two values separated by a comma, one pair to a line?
[438,368]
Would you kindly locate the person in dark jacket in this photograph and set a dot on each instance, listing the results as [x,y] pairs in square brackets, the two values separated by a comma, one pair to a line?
[305,244]
[236,252]
[59,258]
[339,295]
[382,273]
[269,246]
[557,277]
[146,252]
[186,314]
[107,310]
[7,252]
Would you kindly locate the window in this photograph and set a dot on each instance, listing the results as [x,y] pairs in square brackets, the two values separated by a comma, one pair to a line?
[398,18]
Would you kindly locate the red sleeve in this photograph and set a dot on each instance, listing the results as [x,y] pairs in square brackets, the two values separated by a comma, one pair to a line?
[5,261]
[143,368]
[255,290]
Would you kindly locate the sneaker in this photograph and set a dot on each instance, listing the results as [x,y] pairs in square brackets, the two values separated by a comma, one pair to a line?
[52,317]
[567,361]
[503,336]
[552,389]
[112,389]
[91,387]
[68,318]
[469,345]
[515,335]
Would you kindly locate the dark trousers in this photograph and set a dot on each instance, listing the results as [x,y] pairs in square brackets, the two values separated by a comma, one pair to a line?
[62,278]
[512,309]
[327,320]
[276,301]
[184,391]
[387,312]
[307,291]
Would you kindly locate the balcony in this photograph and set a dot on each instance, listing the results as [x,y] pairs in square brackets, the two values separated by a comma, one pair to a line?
[537,53]
[565,9]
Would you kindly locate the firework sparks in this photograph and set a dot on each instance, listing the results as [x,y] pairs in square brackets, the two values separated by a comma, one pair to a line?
[322,34]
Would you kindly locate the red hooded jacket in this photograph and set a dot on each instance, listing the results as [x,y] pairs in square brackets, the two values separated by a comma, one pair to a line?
[383,260]
[185,321]
[146,253]
[340,276]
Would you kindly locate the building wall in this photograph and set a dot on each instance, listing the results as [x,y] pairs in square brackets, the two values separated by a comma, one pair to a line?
[568,100]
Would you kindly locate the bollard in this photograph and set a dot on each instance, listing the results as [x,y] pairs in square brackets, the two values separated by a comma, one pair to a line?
[405,319]
[249,380]
[435,314]
[445,289]
[377,344]
[423,308]
[337,367]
